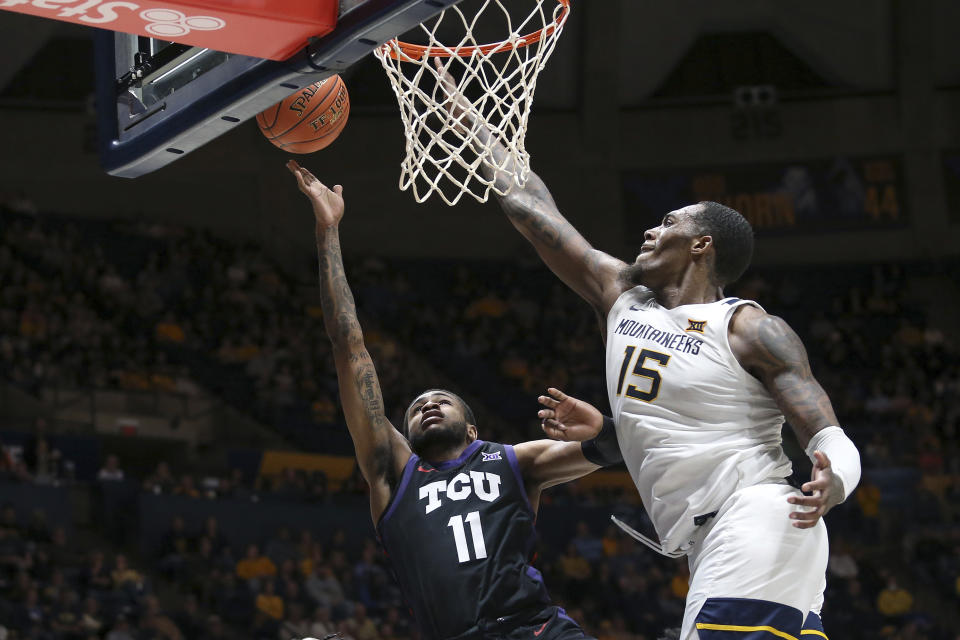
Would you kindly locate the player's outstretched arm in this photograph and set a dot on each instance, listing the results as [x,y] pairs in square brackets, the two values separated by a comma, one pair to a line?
[769,349]
[583,441]
[593,274]
[381,450]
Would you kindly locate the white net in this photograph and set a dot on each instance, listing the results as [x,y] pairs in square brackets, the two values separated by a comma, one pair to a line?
[494,79]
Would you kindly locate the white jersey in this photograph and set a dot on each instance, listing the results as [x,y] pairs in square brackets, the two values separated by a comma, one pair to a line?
[693,425]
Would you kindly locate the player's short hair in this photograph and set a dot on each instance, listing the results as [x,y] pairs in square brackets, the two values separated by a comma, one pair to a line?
[732,239]
[467,411]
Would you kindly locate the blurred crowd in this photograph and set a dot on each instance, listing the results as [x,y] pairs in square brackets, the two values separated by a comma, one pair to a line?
[160,308]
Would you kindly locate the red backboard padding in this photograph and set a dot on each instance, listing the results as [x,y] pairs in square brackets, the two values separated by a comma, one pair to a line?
[273,29]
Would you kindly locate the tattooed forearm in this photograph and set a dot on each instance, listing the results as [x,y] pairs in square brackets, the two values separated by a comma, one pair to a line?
[368,389]
[360,392]
[339,309]
[785,370]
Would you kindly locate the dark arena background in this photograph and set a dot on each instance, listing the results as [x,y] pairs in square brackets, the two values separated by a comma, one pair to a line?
[174,459]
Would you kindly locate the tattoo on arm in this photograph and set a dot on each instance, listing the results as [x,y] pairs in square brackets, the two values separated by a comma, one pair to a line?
[362,398]
[532,210]
[785,370]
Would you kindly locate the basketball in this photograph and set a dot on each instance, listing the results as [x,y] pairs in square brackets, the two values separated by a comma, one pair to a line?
[308,120]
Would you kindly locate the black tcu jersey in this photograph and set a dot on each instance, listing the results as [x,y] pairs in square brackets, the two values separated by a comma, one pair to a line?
[459,535]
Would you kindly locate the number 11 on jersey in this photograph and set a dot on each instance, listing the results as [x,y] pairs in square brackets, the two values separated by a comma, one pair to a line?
[460,536]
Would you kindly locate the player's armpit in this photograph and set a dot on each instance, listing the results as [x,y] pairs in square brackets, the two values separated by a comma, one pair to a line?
[769,349]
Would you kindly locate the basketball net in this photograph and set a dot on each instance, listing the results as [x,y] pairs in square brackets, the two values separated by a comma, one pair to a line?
[492,85]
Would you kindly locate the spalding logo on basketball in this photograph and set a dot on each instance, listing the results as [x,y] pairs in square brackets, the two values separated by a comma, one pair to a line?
[308,120]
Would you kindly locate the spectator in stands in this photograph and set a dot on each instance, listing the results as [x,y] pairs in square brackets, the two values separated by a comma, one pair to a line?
[575,571]
[30,613]
[281,548]
[868,499]
[91,621]
[894,602]
[110,471]
[264,627]
[841,566]
[269,602]
[366,574]
[211,531]
[38,530]
[65,614]
[124,577]
[294,625]
[44,462]
[321,625]
[96,576]
[215,629]
[121,630]
[360,626]
[188,618]
[401,625]
[161,481]
[324,588]
[587,545]
[51,593]
[154,623]
[9,522]
[253,566]
[187,487]
[6,461]
[175,544]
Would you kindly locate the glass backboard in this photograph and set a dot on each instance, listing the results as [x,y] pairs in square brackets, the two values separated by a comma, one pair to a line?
[158,100]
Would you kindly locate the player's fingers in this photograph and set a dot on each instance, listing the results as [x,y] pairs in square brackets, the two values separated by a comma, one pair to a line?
[552,432]
[553,423]
[300,181]
[443,72]
[822,460]
[807,501]
[547,401]
[338,189]
[546,413]
[806,519]
[292,165]
[815,485]
[556,393]
[805,524]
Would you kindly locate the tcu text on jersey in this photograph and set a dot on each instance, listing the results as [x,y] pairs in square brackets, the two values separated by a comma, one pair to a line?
[460,487]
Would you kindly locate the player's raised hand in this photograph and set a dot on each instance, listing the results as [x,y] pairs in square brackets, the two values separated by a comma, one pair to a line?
[327,203]
[566,418]
[456,104]
[826,489]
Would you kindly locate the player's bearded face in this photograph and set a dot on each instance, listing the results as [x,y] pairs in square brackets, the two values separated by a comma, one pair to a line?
[632,274]
[438,437]
[665,250]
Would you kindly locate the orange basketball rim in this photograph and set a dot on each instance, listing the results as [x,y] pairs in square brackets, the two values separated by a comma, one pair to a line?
[417,51]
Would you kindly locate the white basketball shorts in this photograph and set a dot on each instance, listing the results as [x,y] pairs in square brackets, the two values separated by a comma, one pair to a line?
[753,574]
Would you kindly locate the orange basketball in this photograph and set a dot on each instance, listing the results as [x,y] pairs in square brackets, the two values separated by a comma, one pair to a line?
[308,120]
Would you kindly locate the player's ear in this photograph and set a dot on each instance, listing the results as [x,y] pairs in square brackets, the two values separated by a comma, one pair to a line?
[701,244]
[471,432]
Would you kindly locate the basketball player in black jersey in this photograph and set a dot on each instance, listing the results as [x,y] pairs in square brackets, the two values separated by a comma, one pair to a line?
[454,513]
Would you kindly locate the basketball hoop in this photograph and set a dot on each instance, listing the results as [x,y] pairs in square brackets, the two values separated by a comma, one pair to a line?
[494,86]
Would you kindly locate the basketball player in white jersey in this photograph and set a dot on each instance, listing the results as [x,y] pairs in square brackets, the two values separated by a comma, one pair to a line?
[699,385]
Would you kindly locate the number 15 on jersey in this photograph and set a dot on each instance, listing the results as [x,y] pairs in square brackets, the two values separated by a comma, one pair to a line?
[642,371]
